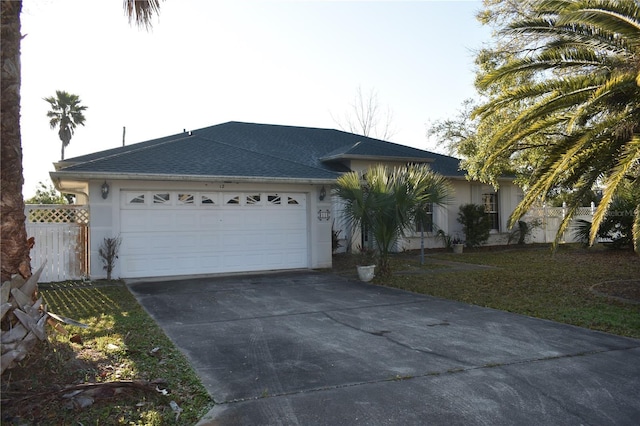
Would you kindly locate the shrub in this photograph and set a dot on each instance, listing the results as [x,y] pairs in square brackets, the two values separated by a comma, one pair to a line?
[108,253]
[616,227]
[475,224]
[523,230]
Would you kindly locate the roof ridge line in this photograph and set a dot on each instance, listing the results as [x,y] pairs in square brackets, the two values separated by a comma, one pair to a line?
[266,155]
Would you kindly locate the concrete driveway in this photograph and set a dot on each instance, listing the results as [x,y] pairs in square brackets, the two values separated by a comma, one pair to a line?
[310,348]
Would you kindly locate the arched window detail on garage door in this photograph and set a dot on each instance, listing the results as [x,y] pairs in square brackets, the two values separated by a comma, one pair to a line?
[161,198]
[186,199]
[292,200]
[252,199]
[207,199]
[135,198]
[274,199]
[231,199]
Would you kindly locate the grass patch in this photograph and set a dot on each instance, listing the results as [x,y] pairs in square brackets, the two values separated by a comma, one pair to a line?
[121,344]
[530,281]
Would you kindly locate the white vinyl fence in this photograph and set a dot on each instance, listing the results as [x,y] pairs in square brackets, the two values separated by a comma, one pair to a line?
[61,240]
[548,219]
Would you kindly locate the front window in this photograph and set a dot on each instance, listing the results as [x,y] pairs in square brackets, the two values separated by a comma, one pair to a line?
[425,220]
[490,202]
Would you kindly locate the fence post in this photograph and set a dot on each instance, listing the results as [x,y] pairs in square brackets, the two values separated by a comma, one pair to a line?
[544,220]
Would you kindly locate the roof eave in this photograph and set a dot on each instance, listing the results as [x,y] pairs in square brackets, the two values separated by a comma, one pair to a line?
[62,175]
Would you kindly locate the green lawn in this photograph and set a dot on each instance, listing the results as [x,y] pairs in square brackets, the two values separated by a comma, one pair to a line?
[121,344]
[529,280]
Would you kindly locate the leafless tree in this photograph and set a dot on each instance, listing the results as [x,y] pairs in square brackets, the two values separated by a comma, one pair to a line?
[366,117]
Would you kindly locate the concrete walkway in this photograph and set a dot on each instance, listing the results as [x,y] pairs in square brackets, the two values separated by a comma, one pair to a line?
[307,348]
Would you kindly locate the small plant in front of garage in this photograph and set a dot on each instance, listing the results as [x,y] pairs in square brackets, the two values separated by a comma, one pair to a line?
[335,238]
[108,252]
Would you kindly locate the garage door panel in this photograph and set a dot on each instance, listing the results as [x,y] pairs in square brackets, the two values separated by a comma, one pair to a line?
[210,262]
[274,259]
[296,239]
[187,262]
[295,257]
[232,261]
[165,240]
[134,220]
[186,220]
[209,219]
[210,241]
[185,243]
[234,219]
[142,243]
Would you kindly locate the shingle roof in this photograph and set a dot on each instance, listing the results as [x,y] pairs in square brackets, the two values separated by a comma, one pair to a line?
[236,149]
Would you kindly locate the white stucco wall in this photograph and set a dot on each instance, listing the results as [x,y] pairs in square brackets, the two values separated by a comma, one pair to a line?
[446,218]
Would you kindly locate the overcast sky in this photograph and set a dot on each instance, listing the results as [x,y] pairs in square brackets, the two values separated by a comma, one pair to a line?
[207,62]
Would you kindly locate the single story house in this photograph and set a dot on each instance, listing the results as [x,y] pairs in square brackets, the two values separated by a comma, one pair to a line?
[239,197]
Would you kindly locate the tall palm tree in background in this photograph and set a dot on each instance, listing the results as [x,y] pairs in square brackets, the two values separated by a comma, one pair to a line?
[66,114]
[584,100]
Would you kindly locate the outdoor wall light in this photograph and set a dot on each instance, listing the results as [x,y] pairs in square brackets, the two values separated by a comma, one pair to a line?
[323,193]
[105,190]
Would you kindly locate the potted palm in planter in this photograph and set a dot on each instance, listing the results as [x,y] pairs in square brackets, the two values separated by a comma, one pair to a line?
[366,264]
[386,202]
[457,245]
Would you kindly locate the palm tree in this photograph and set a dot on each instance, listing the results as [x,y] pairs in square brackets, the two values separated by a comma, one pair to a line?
[386,202]
[584,100]
[14,249]
[66,113]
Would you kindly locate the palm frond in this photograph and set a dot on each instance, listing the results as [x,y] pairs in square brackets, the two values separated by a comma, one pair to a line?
[629,158]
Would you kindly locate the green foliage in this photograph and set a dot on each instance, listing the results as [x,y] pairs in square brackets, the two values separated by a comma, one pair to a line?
[475,224]
[446,239]
[117,346]
[522,231]
[335,239]
[387,202]
[108,252]
[618,223]
[581,231]
[366,256]
[577,107]
[46,195]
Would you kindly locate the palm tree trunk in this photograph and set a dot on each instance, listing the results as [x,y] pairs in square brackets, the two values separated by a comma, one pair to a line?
[14,247]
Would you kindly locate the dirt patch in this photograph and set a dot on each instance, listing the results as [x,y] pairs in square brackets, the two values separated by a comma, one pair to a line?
[624,290]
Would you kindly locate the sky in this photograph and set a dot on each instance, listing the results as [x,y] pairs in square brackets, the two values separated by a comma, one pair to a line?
[206,62]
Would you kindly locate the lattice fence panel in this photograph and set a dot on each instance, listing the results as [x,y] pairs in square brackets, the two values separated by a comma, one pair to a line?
[57,214]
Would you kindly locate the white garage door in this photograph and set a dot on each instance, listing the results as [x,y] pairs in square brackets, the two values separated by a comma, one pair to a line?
[181,232]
